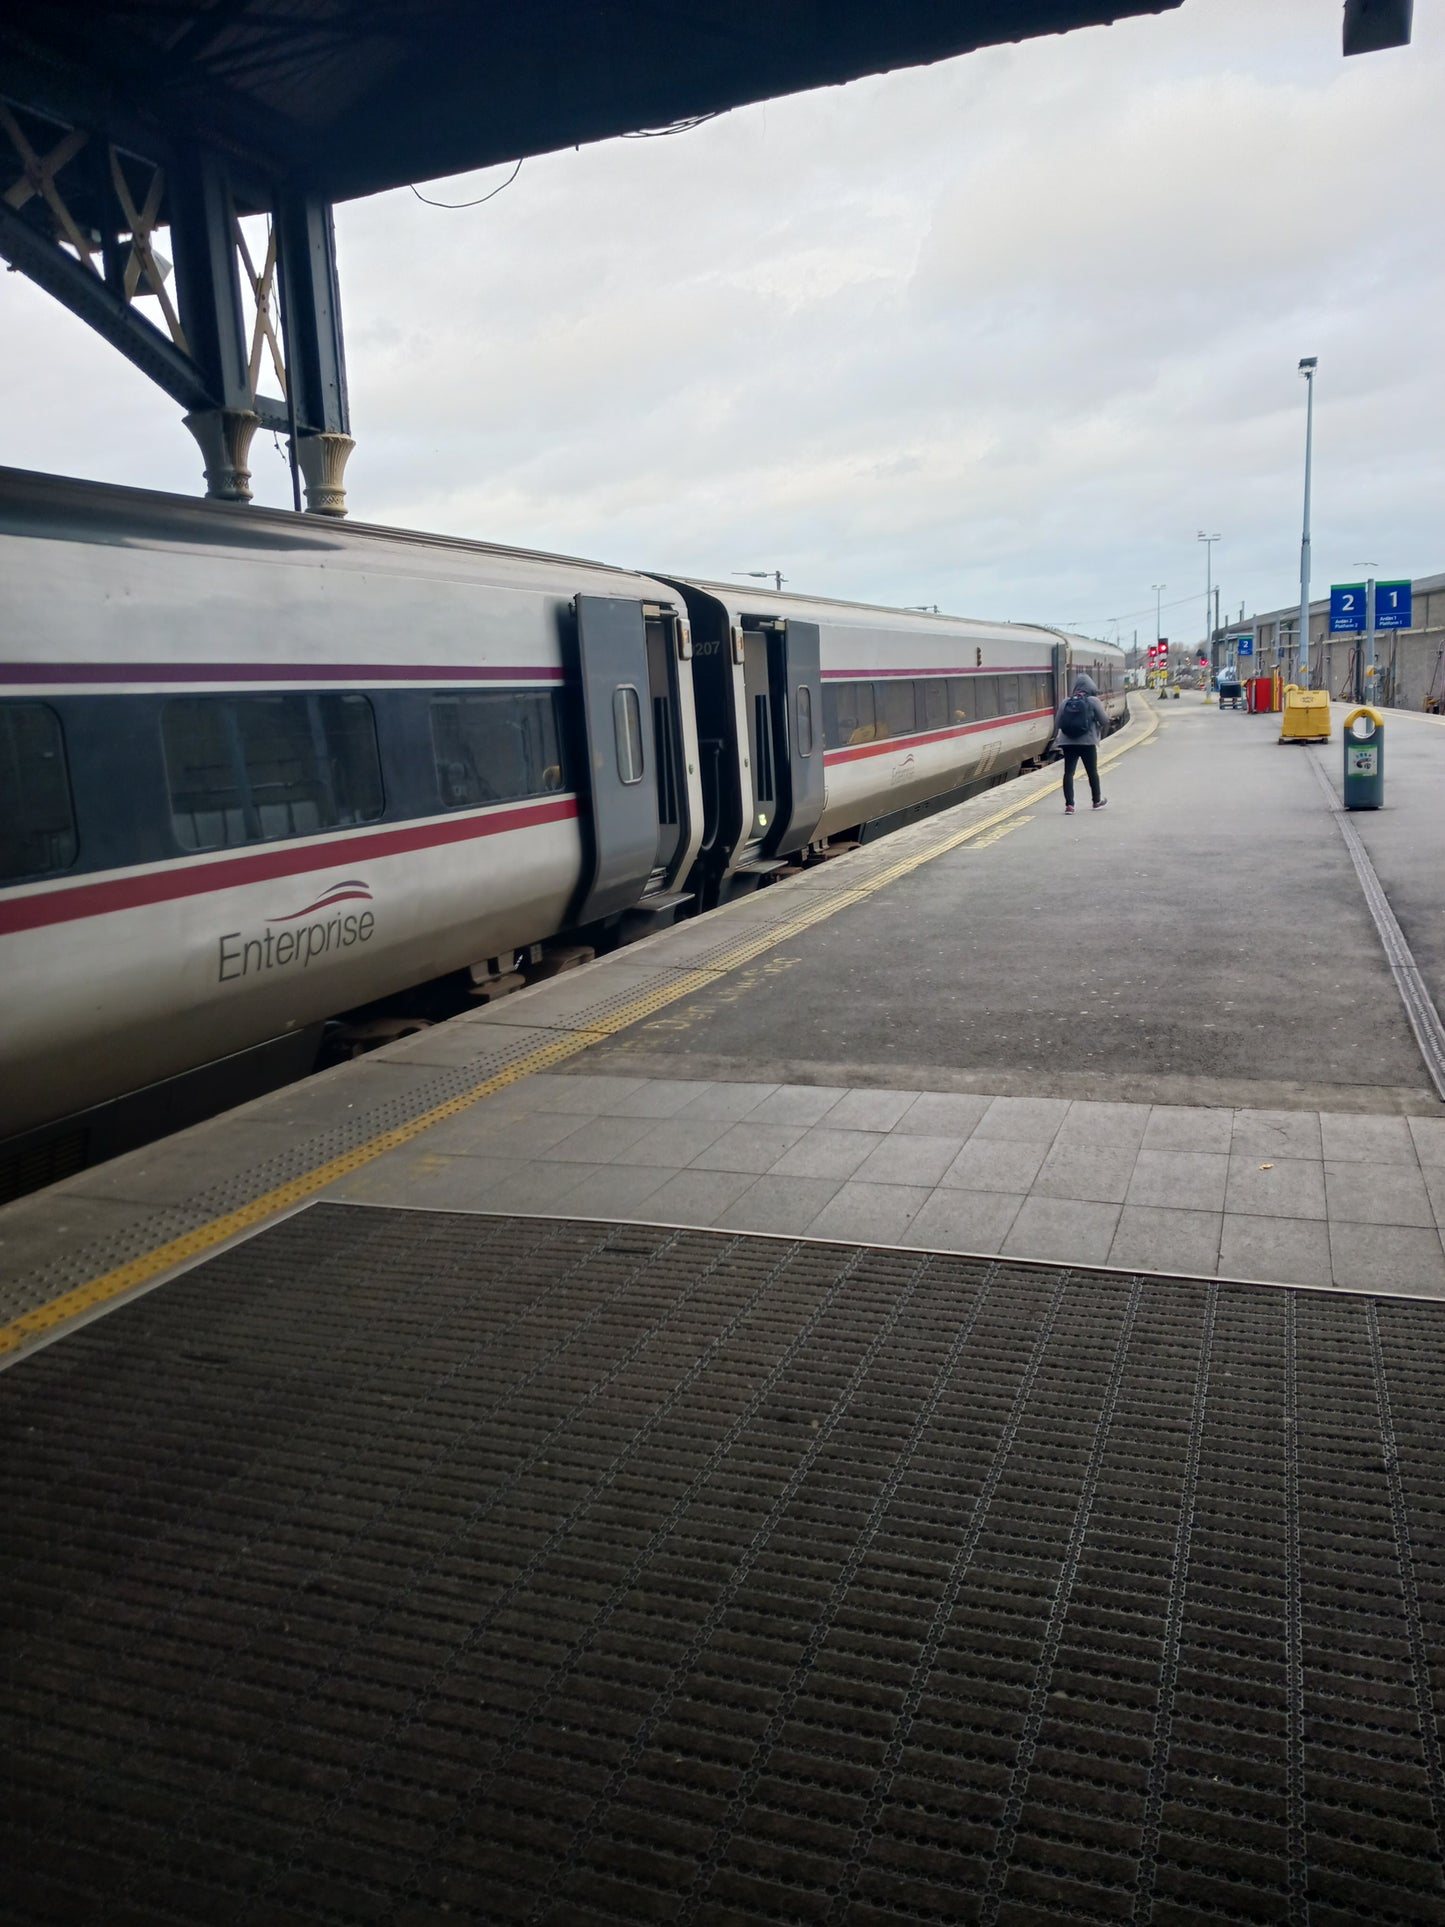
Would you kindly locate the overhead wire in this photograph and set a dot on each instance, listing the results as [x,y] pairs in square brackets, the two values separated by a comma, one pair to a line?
[454,207]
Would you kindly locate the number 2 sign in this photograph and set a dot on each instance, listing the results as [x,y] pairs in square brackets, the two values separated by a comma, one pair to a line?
[1347,608]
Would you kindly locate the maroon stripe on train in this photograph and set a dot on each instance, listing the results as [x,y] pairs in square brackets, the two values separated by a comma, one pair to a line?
[355,673]
[853,751]
[202,877]
[897,675]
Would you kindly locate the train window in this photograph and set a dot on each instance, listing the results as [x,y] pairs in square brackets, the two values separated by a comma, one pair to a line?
[985,696]
[1008,695]
[961,705]
[37,821]
[627,728]
[933,703]
[805,720]
[495,746]
[896,712]
[855,717]
[250,769]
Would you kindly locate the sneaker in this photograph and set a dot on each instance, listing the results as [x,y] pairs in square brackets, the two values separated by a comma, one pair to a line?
[1102,802]
[1068,809]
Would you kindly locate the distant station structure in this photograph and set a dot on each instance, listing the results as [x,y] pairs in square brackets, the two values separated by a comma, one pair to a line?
[126,122]
[1410,662]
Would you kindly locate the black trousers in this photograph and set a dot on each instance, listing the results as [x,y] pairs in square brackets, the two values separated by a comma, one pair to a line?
[1088,755]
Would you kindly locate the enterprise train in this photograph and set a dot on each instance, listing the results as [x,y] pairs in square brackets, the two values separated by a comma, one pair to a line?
[257,770]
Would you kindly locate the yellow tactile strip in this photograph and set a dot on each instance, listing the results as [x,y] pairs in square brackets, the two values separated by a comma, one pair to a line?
[86,1298]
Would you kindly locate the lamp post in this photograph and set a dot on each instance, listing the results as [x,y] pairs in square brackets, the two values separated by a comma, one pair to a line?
[1209,542]
[1307,369]
[763,575]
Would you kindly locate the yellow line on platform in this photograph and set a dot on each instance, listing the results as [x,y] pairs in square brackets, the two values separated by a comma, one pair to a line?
[191,1244]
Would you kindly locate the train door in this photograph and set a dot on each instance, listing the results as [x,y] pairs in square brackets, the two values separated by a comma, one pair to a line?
[667,785]
[795,683]
[758,697]
[632,753]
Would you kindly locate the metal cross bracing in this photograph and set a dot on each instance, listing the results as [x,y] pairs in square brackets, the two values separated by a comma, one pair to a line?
[80,215]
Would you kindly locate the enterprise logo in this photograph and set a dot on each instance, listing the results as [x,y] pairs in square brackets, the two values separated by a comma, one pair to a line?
[321,929]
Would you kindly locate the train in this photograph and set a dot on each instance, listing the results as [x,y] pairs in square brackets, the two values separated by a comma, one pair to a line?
[258,770]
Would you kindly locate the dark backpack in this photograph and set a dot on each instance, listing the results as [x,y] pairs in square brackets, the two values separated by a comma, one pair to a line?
[1075,718]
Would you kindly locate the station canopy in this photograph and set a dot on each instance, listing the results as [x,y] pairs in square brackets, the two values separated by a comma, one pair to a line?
[340,98]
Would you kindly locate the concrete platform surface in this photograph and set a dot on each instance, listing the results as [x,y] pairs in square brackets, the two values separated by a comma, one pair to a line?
[1164,1035]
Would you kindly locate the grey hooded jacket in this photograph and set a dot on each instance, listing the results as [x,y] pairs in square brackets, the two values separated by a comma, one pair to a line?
[1098,718]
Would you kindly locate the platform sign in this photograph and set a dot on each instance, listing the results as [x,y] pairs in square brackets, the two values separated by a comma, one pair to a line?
[1244,645]
[1392,606]
[1347,608]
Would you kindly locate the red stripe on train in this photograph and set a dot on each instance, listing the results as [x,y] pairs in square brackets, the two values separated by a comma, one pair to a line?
[201,878]
[854,751]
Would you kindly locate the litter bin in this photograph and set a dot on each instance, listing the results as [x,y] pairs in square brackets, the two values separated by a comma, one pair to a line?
[1364,735]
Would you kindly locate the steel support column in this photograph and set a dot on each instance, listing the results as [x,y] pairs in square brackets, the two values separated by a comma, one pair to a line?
[202,214]
[315,351]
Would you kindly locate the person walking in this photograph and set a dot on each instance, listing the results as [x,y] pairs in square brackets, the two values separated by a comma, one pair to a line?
[1080,726]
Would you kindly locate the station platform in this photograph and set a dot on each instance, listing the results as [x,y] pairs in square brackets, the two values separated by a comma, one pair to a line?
[912,1398]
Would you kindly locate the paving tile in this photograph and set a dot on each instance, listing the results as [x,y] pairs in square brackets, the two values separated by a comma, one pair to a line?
[730,1102]
[870,1110]
[942,1114]
[798,1104]
[784,1205]
[964,1221]
[1104,1126]
[1179,1180]
[747,1147]
[595,1141]
[1154,1238]
[1388,1257]
[1280,1251]
[610,1190]
[675,1141]
[578,1091]
[1429,1137]
[36,1230]
[995,1164]
[535,1186]
[695,1197]
[1434,1176]
[909,1160]
[657,1097]
[434,1178]
[173,1169]
[1064,1230]
[1277,1134]
[870,1213]
[1377,1194]
[1033,1119]
[499,1134]
[1275,1187]
[1188,1127]
[1366,1140]
[1099,1173]
[823,1153]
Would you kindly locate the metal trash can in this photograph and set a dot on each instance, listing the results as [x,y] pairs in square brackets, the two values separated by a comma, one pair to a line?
[1364,734]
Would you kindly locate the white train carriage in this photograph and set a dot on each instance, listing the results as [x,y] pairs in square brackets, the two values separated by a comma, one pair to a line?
[258,770]
[836,717]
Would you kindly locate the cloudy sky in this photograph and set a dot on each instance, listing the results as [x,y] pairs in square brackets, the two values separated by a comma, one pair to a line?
[1001,334]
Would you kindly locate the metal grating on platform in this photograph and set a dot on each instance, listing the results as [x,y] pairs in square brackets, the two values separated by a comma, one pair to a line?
[399,1566]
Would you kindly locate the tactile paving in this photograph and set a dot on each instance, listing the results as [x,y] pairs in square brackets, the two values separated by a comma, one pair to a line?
[403,1566]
